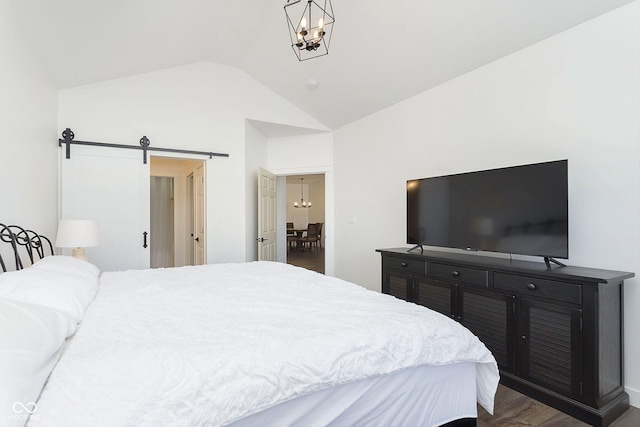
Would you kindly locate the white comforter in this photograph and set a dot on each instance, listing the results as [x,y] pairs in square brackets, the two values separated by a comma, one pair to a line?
[208,345]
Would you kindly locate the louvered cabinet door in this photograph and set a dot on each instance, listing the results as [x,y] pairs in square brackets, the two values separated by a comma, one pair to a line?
[398,284]
[490,317]
[437,296]
[551,346]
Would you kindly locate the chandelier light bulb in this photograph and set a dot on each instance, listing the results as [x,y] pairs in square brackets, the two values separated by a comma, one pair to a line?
[303,23]
[320,23]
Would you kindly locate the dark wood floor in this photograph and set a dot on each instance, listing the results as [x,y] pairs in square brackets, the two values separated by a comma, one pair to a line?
[311,259]
[515,409]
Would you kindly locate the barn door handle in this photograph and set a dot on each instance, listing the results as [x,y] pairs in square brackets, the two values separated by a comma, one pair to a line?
[144,242]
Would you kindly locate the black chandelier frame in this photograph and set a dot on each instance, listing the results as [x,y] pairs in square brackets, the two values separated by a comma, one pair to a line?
[310,38]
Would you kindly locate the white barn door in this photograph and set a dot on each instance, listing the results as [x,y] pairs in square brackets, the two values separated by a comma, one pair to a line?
[267,236]
[111,186]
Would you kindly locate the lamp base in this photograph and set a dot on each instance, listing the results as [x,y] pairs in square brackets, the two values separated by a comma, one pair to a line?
[79,253]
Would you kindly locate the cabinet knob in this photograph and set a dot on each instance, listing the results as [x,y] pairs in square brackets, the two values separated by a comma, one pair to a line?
[531,286]
[404,264]
[524,337]
[455,273]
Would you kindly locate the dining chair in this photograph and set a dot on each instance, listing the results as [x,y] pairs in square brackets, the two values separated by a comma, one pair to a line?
[292,236]
[311,238]
[319,236]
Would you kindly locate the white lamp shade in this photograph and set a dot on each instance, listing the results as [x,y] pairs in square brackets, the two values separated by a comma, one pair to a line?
[74,233]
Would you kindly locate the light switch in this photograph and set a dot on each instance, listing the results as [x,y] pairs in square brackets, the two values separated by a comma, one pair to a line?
[352,219]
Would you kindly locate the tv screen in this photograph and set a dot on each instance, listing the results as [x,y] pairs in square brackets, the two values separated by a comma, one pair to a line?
[517,210]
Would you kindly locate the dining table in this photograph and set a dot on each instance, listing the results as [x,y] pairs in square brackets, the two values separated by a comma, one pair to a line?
[299,234]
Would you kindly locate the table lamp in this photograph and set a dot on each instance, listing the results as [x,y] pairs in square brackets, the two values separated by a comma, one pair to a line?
[77,234]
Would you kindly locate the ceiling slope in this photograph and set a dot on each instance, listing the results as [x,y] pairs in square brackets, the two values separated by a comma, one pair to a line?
[381,53]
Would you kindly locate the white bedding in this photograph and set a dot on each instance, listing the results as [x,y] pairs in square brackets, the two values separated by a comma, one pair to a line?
[424,396]
[208,345]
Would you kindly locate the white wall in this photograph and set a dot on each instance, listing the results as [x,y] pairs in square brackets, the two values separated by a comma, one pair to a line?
[201,106]
[28,156]
[299,216]
[574,96]
[316,195]
[313,193]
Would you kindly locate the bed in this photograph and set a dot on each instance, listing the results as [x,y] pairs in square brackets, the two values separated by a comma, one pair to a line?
[258,343]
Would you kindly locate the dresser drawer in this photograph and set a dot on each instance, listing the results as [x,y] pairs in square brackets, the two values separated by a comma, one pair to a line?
[560,291]
[410,265]
[474,276]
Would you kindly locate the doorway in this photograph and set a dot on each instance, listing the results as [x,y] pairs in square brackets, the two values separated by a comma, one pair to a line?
[162,222]
[306,232]
[178,196]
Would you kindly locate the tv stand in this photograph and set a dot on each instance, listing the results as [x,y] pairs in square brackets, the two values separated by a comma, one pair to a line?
[548,260]
[416,247]
[557,334]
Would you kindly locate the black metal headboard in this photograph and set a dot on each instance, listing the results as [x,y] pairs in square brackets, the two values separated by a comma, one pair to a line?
[26,242]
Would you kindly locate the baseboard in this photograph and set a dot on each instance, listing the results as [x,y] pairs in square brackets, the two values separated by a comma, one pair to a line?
[634,396]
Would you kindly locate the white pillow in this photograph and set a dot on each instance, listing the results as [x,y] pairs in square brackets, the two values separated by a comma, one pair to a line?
[31,340]
[67,265]
[68,293]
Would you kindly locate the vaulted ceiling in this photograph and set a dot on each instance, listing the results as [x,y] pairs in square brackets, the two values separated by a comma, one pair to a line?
[381,52]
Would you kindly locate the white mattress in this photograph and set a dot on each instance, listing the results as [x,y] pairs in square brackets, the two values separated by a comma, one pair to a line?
[210,345]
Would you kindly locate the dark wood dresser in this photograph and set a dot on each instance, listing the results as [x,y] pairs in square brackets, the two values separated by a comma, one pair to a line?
[557,334]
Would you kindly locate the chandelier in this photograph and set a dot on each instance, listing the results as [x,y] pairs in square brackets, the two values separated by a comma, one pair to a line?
[302,203]
[310,25]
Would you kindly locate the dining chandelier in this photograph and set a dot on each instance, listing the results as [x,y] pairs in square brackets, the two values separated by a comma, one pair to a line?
[310,25]
[302,203]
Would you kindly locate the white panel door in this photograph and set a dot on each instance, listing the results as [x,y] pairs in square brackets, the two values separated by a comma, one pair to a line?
[200,239]
[111,186]
[267,238]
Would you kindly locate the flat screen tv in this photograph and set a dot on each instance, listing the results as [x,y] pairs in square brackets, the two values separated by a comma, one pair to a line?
[515,210]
